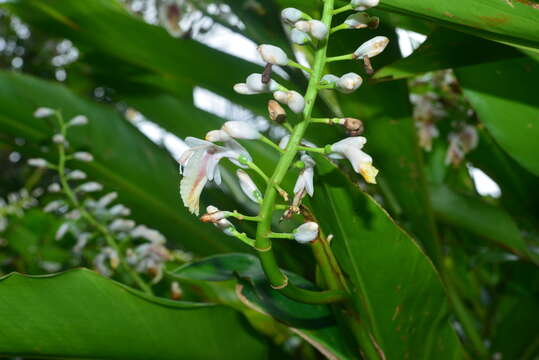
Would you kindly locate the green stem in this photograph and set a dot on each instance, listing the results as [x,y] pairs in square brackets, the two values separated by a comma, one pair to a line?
[243,237]
[239,216]
[85,214]
[267,141]
[327,121]
[343,26]
[299,66]
[280,236]
[311,149]
[266,178]
[343,9]
[340,58]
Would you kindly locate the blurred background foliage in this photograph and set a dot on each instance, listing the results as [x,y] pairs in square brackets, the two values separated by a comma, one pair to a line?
[452,120]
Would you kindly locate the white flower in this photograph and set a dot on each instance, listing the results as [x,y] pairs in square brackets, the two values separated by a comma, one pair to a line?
[241,130]
[299,37]
[273,55]
[62,230]
[248,186]
[78,120]
[306,233]
[117,210]
[200,164]
[43,112]
[293,99]
[316,28]
[359,20]
[372,47]
[305,178]
[291,15]
[121,225]
[349,83]
[151,235]
[330,79]
[53,206]
[76,175]
[54,188]
[58,139]
[361,5]
[40,163]
[105,200]
[83,156]
[90,186]
[361,162]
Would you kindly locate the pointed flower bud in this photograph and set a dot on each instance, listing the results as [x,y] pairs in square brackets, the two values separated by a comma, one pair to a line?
[83,156]
[349,83]
[319,30]
[59,139]
[306,233]
[248,186]
[362,20]
[40,163]
[291,15]
[116,210]
[293,99]
[54,188]
[299,37]
[360,161]
[76,175]
[361,5]
[354,127]
[222,224]
[53,206]
[273,55]
[78,120]
[91,186]
[243,89]
[241,130]
[43,112]
[276,112]
[372,47]
[122,225]
[62,230]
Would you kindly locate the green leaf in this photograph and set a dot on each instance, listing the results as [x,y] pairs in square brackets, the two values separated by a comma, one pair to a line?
[125,160]
[446,49]
[312,322]
[79,314]
[397,288]
[480,218]
[504,95]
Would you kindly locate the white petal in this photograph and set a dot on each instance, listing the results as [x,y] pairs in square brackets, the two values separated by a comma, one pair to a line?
[194,180]
[248,186]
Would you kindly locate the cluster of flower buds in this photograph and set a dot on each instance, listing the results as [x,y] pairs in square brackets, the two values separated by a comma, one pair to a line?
[461,142]
[16,203]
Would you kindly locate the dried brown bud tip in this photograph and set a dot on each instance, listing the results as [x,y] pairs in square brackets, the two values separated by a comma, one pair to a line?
[276,112]
[266,75]
[354,127]
[368,66]
[375,22]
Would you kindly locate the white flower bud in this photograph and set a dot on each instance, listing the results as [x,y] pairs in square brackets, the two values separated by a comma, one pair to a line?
[318,29]
[293,99]
[303,26]
[241,130]
[76,175]
[248,186]
[349,83]
[151,235]
[73,215]
[283,143]
[361,5]
[291,15]
[306,233]
[243,89]
[299,37]
[62,230]
[43,112]
[53,206]
[107,199]
[122,225]
[119,210]
[217,135]
[360,20]
[40,163]
[91,186]
[372,47]
[54,188]
[83,156]
[273,55]
[213,215]
[330,79]
[78,120]
[255,84]
[59,139]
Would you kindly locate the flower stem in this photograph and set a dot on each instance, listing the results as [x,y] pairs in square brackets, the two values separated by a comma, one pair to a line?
[280,236]
[340,58]
[239,216]
[85,214]
[299,66]
[266,178]
[267,141]
[338,28]
[311,149]
[342,9]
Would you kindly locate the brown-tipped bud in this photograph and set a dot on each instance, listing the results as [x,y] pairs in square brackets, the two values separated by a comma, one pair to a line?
[213,215]
[354,127]
[374,23]
[276,112]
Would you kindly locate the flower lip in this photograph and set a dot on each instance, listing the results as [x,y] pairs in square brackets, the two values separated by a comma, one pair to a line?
[360,161]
